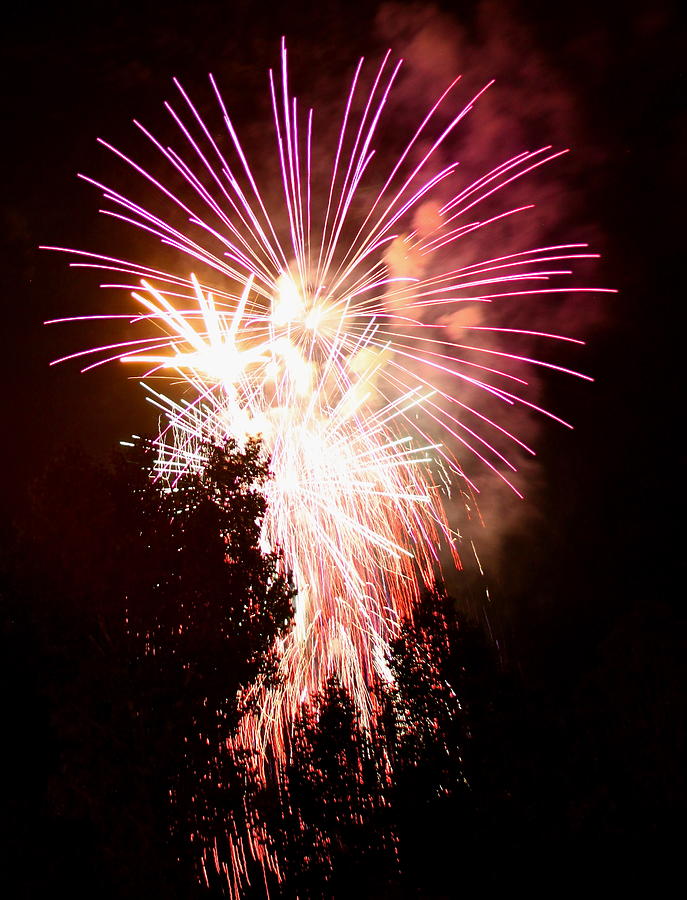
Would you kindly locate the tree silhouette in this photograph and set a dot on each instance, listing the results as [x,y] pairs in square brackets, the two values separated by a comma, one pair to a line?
[148,605]
[152,604]
[329,816]
[204,606]
[391,812]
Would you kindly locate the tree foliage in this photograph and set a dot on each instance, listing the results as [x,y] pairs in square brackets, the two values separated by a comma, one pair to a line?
[147,606]
[151,604]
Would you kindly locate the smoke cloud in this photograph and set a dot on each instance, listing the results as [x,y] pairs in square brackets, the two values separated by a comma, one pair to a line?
[528,106]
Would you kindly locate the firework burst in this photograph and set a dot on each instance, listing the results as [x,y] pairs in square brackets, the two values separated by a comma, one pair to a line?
[322,326]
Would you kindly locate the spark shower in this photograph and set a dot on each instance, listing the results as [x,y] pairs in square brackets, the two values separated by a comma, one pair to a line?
[329,322]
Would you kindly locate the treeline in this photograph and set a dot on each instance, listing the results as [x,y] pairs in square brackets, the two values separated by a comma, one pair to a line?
[131,615]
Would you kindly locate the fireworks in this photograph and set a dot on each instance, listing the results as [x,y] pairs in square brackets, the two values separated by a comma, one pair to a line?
[326,324]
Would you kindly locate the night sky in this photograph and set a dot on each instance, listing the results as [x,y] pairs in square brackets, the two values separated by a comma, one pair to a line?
[585,582]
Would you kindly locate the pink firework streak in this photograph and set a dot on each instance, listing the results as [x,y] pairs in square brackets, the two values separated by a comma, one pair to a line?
[323,326]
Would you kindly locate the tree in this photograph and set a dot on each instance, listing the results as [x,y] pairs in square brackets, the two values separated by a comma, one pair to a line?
[204,606]
[152,603]
[149,606]
[409,807]
[328,814]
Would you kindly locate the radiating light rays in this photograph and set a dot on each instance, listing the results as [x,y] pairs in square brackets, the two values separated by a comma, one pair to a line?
[351,504]
[332,322]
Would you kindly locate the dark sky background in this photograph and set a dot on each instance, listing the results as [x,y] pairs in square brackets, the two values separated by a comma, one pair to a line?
[596,557]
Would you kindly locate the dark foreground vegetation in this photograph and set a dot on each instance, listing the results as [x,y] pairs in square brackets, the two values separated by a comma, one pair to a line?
[131,615]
